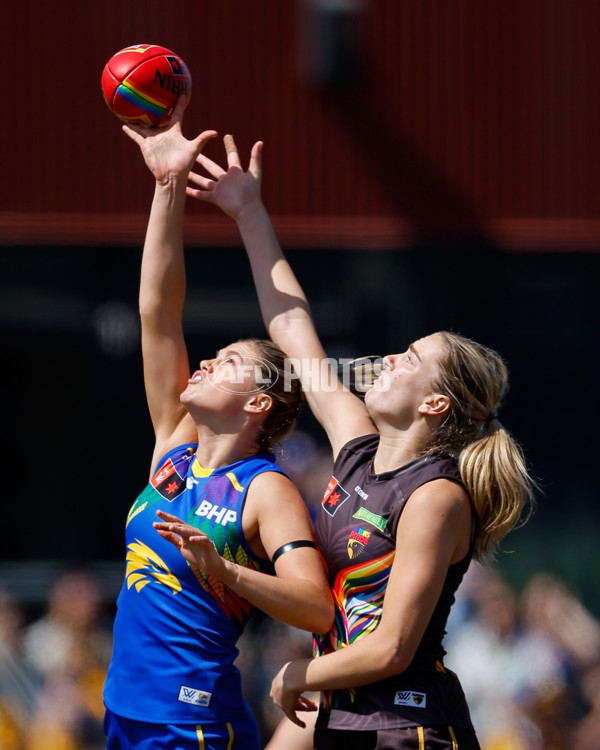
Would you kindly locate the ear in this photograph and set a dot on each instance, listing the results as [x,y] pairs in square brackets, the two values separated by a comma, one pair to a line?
[435,405]
[259,403]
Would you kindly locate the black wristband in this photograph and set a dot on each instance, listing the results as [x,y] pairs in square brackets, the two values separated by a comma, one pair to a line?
[290,546]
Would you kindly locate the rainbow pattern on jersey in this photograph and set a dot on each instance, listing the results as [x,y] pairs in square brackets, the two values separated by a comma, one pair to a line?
[358,594]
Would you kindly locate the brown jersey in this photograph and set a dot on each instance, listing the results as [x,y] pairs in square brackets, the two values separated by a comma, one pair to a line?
[356,532]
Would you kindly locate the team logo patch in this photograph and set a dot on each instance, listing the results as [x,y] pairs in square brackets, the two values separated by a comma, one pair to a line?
[410,698]
[167,482]
[357,541]
[194,696]
[335,496]
[143,565]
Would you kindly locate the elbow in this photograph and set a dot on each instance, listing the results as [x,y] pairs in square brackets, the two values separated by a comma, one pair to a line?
[286,321]
[321,614]
[397,660]
[396,663]
[149,310]
[324,620]
[390,658]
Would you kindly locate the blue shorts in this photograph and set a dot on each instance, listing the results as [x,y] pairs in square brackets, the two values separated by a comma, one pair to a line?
[129,734]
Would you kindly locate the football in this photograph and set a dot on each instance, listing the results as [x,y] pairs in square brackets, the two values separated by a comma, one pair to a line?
[142,83]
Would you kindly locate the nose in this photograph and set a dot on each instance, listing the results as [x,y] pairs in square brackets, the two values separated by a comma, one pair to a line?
[206,365]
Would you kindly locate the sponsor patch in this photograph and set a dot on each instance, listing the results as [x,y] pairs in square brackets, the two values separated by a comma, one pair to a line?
[410,698]
[335,496]
[194,696]
[362,514]
[360,492]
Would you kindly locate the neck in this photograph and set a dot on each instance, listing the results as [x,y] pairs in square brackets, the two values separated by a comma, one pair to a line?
[390,456]
[215,450]
[397,448]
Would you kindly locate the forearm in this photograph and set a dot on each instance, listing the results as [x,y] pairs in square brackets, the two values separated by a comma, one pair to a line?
[162,281]
[281,296]
[299,602]
[374,657]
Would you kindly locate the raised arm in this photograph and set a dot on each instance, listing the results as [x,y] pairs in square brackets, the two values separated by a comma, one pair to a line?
[284,306]
[169,156]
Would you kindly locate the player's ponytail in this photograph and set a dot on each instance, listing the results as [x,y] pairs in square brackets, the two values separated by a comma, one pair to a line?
[490,461]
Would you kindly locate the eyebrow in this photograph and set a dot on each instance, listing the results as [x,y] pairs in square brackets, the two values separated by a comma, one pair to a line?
[223,352]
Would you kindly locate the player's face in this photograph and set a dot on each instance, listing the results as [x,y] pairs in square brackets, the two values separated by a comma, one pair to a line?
[405,380]
[233,374]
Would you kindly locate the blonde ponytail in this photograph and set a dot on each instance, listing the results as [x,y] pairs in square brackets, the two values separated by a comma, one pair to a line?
[490,461]
[495,475]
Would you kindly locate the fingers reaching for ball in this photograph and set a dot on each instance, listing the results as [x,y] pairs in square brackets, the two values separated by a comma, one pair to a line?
[233,158]
[182,103]
[230,146]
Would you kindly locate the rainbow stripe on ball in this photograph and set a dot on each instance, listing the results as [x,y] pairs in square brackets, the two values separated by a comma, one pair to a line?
[141,100]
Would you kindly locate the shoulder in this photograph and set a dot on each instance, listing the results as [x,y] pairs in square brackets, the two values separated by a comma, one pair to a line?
[358,449]
[270,494]
[437,467]
[438,513]
[440,492]
[272,483]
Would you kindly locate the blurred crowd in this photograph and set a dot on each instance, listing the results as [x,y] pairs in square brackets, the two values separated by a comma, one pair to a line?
[529,660]
[52,669]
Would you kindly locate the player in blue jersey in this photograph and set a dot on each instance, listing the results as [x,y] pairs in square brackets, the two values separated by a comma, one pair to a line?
[217,519]
[425,478]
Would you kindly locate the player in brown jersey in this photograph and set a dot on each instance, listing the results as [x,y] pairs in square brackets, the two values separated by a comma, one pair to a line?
[425,478]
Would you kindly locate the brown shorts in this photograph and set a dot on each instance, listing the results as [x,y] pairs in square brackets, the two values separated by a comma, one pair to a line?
[412,738]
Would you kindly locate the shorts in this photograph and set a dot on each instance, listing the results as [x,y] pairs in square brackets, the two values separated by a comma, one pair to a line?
[129,734]
[411,738]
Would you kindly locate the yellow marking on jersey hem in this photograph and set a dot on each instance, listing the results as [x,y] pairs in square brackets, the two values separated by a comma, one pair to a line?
[230,730]
[421,736]
[200,735]
[453,738]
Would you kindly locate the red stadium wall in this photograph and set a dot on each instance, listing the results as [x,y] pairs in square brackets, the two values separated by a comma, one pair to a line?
[432,118]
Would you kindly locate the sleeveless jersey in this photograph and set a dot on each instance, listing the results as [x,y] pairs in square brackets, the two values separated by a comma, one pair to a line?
[356,532]
[176,628]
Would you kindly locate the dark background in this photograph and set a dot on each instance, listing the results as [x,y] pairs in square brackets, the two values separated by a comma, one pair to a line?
[427,165]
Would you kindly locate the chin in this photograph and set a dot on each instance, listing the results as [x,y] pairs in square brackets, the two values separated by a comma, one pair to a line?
[369,395]
[185,397]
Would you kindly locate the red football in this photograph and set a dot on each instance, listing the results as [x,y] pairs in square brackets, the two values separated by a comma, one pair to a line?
[142,84]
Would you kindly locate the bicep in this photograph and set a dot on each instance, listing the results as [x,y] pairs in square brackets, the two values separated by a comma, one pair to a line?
[430,530]
[166,371]
[279,516]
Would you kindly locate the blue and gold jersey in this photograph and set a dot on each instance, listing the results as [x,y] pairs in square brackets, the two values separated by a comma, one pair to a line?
[176,628]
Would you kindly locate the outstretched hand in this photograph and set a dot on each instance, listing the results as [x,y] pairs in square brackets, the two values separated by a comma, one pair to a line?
[165,150]
[288,698]
[231,189]
[195,546]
